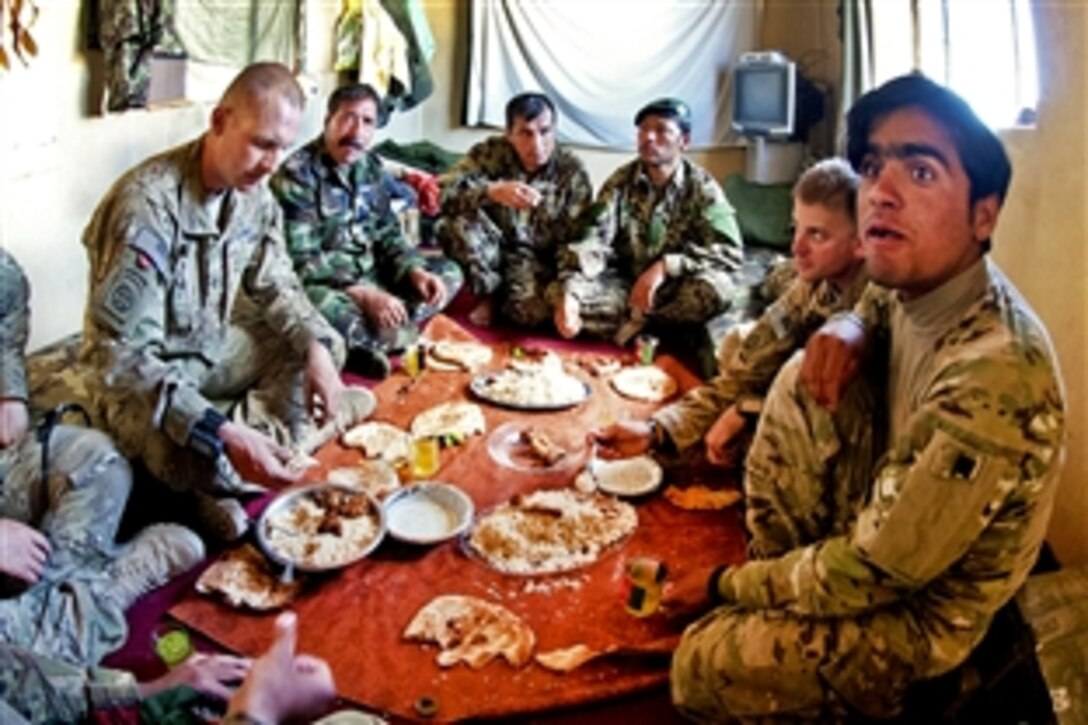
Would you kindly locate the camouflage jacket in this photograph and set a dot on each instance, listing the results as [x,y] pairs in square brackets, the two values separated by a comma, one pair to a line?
[563,183]
[688,223]
[959,507]
[14,328]
[167,265]
[783,328]
[340,226]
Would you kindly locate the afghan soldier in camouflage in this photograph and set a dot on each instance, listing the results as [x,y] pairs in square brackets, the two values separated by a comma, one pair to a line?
[841,622]
[508,208]
[347,245]
[662,240]
[57,528]
[830,278]
[195,312]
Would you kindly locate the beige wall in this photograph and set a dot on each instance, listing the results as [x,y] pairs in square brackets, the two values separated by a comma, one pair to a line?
[56,161]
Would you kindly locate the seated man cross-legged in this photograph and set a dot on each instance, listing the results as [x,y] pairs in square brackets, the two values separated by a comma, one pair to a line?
[946,451]
[347,244]
[508,208]
[661,241]
[201,353]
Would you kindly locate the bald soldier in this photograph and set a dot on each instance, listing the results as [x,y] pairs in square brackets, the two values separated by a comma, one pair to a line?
[954,487]
[661,243]
[203,353]
[830,277]
[508,208]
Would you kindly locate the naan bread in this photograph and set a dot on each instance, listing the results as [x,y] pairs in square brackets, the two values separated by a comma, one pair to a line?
[377,478]
[644,382]
[472,631]
[378,440]
[458,418]
[699,497]
[566,658]
[551,531]
[244,578]
[451,355]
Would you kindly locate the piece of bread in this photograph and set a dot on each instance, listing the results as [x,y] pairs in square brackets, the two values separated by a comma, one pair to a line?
[244,578]
[472,631]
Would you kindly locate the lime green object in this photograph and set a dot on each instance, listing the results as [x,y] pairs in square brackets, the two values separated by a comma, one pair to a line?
[174,647]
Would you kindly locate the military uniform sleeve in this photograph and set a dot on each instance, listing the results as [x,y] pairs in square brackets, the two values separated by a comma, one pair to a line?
[14,328]
[126,321]
[464,187]
[781,330]
[712,238]
[988,436]
[297,190]
[271,282]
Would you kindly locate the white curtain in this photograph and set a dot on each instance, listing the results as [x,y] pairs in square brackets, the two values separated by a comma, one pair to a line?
[601,60]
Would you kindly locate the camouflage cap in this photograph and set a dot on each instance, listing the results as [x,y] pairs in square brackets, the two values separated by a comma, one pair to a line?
[672,108]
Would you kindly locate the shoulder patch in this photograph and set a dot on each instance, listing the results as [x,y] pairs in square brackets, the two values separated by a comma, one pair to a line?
[152,247]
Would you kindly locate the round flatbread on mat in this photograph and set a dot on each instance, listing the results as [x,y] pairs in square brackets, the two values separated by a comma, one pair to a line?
[378,440]
[445,355]
[550,531]
[244,578]
[377,478]
[457,419]
[472,631]
[644,382]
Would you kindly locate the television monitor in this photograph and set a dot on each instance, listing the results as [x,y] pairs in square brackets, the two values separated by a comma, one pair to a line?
[764,95]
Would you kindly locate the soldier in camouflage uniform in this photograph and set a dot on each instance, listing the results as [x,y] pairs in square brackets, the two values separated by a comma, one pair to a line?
[508,208]
[830,278]
[347,245]
[57,528]
[841,622]
[662,240]
[195,312]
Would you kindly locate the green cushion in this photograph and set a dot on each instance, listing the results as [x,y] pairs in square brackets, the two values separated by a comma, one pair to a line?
[763,210]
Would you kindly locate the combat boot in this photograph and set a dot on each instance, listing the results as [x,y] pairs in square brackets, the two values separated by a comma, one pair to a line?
[221,518]
[157,554]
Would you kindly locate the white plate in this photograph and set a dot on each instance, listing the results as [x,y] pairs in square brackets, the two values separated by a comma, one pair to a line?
[634,476]
[428,512]
[505,446]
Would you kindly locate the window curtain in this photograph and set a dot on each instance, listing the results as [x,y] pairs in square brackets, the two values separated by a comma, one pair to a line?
[600,61]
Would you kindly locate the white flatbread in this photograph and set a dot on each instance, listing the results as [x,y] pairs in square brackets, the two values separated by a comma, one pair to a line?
[455,355]
[472,631]
[245,579]
[566,659]
[378,478]
[457,418]
[378,440]
[644,382]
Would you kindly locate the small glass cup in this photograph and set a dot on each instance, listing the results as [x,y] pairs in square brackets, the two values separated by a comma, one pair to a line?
[412,361]
[172,644]
[645,579]
[424,457]
[645,349]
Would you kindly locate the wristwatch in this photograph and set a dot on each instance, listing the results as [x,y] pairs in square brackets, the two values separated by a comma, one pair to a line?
[204,435]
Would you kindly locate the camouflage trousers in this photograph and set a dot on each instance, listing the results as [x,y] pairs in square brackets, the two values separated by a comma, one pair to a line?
[342,312]
[510,269]
[68,614]
[808,472]
[693,299]
[257,381]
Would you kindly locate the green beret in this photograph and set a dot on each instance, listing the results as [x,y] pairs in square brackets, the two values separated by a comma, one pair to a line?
[672,108]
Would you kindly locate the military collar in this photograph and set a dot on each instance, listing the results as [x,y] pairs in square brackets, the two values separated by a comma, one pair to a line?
[676,181]
[195,205]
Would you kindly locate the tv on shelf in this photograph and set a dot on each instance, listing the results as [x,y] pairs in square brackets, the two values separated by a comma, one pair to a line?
[764,95]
